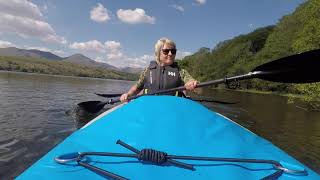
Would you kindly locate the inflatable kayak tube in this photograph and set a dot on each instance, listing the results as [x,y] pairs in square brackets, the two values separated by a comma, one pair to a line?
[165,137]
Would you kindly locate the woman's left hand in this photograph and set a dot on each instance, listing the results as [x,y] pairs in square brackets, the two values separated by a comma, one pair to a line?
[191,85]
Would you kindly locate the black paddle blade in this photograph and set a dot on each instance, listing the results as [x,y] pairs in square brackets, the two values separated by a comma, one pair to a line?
[299,68]
[109,95]
[92,106]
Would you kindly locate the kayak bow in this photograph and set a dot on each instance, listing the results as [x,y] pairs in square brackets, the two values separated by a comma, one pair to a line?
[174,125]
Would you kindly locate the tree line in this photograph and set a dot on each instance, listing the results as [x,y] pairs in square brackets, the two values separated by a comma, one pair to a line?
[294,33]
[44,66]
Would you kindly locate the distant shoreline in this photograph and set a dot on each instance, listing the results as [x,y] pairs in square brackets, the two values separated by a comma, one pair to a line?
[58,75]
[45,66]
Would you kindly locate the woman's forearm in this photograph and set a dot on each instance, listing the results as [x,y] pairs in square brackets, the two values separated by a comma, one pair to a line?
[133,90]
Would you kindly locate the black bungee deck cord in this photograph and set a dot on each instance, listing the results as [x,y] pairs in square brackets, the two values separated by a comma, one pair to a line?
[160,158]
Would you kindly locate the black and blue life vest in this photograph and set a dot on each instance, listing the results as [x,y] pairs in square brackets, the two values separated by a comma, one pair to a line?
[162,77]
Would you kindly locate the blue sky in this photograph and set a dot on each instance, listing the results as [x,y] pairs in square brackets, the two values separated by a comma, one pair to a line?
[123,32]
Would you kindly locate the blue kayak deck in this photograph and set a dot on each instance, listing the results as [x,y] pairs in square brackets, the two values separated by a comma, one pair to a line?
[174,125]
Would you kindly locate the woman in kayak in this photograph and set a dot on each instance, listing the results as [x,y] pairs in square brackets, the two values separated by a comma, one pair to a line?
[164,73]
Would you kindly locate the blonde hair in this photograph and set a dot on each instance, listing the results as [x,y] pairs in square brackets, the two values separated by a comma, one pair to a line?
[159,45]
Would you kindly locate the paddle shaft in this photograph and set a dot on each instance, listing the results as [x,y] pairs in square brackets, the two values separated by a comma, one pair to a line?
[199,99]
[249,75]
[96,106]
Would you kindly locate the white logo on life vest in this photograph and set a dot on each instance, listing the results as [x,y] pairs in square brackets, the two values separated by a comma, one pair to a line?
[171,73]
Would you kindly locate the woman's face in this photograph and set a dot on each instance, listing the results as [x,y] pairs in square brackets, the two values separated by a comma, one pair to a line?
[167,54]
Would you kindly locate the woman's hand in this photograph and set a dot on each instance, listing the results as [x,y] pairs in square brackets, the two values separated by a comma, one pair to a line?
[191,85]
[124,97]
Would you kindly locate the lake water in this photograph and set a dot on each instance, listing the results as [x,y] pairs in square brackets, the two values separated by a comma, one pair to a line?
[39,111]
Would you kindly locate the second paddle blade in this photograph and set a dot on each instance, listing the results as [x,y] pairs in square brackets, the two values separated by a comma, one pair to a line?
[299,68]
[92,106]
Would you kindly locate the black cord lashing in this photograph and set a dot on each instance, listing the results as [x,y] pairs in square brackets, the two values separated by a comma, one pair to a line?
[159,158]
[151,155]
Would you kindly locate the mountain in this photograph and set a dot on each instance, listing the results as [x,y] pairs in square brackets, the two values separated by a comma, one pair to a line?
[132,70]
[13,51]
[34,53]
[83,60]
[44,54]
[76,58]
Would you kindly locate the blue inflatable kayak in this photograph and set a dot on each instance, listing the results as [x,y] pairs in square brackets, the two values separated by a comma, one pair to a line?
[177,126]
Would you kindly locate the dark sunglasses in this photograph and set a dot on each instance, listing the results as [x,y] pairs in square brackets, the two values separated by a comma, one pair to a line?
[166,51]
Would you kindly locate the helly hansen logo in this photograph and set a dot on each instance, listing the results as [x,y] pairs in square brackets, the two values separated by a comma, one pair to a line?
[171,73]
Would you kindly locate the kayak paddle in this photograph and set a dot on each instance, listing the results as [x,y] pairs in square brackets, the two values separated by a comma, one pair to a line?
[298,68]
[200,99]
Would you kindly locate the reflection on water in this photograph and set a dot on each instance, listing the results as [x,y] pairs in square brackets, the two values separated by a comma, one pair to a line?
[39,111]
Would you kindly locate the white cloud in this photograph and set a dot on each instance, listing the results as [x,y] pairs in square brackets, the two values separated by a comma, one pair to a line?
[125,61]
[111,48]
[114,50]
[39,48]
[25,19]
[114,55]
[20,8]
[141,61]
[112,45]
[177,7]
[100,59]
[5,44]
[182,54]
[251,26]
[135,16]
[99,14]
[44,8]
[59,52]
[201,2]
[92,45]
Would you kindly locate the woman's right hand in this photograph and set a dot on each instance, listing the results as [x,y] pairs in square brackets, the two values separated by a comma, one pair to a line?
[191,85]
[124,97]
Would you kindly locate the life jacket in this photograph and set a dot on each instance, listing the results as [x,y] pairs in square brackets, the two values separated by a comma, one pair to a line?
[162,77]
